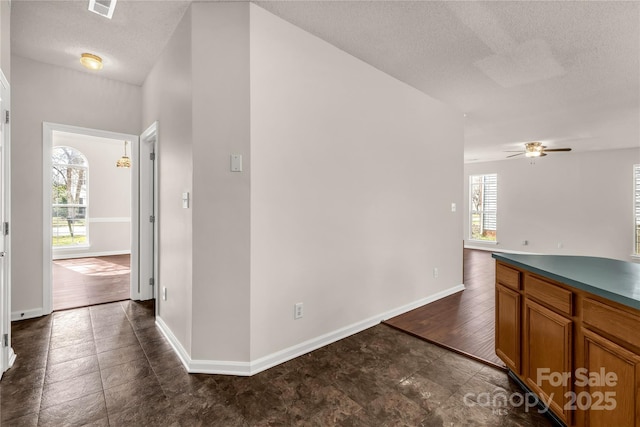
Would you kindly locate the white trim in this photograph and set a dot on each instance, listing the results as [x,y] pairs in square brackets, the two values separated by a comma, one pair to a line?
[91,254]
[111,219]
[12,357]
[148,206]
[74,248]
[27,314]
[251,368]
[7,356]
[504,251]
[635,256]
[174,342]
[486,242]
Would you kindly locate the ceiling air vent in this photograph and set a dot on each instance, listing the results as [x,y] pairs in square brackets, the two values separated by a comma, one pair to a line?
[103,7]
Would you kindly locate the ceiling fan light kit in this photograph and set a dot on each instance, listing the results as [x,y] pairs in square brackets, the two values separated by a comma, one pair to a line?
[536,149]
[533,149]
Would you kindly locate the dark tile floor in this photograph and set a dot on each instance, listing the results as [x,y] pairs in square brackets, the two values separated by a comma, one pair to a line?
[108,365]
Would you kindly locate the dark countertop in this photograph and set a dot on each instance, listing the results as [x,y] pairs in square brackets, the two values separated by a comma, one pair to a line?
[608,278]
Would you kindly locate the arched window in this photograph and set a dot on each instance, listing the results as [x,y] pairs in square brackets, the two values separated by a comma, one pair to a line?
[69,202]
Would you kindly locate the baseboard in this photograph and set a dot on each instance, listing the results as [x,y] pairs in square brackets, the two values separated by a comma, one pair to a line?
[287,354]
[266,362]
[27,314]
[173,341]
[80,254]
[12,357]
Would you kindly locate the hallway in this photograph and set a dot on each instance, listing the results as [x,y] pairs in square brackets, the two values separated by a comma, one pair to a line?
[108,365]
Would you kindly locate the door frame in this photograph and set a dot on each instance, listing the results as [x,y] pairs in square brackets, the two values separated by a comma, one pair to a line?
[7,355]
[47,145]
[148,249]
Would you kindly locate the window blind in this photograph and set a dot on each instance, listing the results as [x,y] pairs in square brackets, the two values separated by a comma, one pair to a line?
[636,206]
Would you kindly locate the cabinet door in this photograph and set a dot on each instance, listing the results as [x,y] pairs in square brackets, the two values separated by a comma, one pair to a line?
[508,327]
[613,394]
[547,357]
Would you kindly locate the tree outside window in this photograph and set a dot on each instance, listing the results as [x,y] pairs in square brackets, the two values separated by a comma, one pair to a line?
[69,197]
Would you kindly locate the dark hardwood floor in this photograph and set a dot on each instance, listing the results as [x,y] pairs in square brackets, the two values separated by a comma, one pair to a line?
[463,322]
[80,282]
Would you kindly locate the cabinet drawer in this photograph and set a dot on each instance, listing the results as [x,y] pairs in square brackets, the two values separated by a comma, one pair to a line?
[549,294]
[617,323]
[508,276]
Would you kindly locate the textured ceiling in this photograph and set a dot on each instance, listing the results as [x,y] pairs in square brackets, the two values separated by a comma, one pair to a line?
[562,72]
[58,31]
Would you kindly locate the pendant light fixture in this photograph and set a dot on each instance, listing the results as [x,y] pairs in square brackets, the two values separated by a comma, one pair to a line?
[124,161]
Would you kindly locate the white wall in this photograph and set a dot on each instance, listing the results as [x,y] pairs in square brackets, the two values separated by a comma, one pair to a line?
[109,196]
[220,197]
[46,93]
[352,178]
[344,201]
[167,93]
[583,200]
[5,38]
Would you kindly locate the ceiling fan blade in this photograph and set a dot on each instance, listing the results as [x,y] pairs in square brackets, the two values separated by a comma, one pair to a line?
[542,154]
[514,155]
[558,149]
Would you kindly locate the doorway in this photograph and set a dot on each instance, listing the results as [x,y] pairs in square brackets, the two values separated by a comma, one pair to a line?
[90,217]
[7,356]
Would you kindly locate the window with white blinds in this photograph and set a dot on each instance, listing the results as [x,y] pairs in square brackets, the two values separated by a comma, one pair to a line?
[483,207]
[636,208]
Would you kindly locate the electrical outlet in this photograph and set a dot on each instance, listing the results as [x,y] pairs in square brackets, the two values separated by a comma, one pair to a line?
[435,273]
[298,310]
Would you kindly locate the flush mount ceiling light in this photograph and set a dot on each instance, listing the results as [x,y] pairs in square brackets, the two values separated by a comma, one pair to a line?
[124,161]
[103,7]
[91,61]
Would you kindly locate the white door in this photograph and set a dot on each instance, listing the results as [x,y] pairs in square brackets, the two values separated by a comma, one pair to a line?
[6,353]
[148,218]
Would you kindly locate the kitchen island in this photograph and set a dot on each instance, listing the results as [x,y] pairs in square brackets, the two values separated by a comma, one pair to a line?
[568,329]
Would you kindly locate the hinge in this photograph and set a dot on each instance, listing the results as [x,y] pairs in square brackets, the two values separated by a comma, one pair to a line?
[7,116]
[152,156]
[152,218]
[5,340]
[151,282]
[5,228]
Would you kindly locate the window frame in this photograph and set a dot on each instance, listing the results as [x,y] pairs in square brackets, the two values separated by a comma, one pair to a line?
[471,210]
[636,211]
[84,167]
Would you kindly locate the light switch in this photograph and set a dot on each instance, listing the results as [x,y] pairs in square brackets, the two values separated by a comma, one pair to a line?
[236,163]
[453,207]
[185,200]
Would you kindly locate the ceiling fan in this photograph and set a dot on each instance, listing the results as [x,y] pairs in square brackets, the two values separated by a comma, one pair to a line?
[535,149]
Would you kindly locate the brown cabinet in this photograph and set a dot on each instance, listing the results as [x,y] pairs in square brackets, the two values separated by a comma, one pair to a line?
[508,327]
[579,352]
[612,389]
[547,356]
